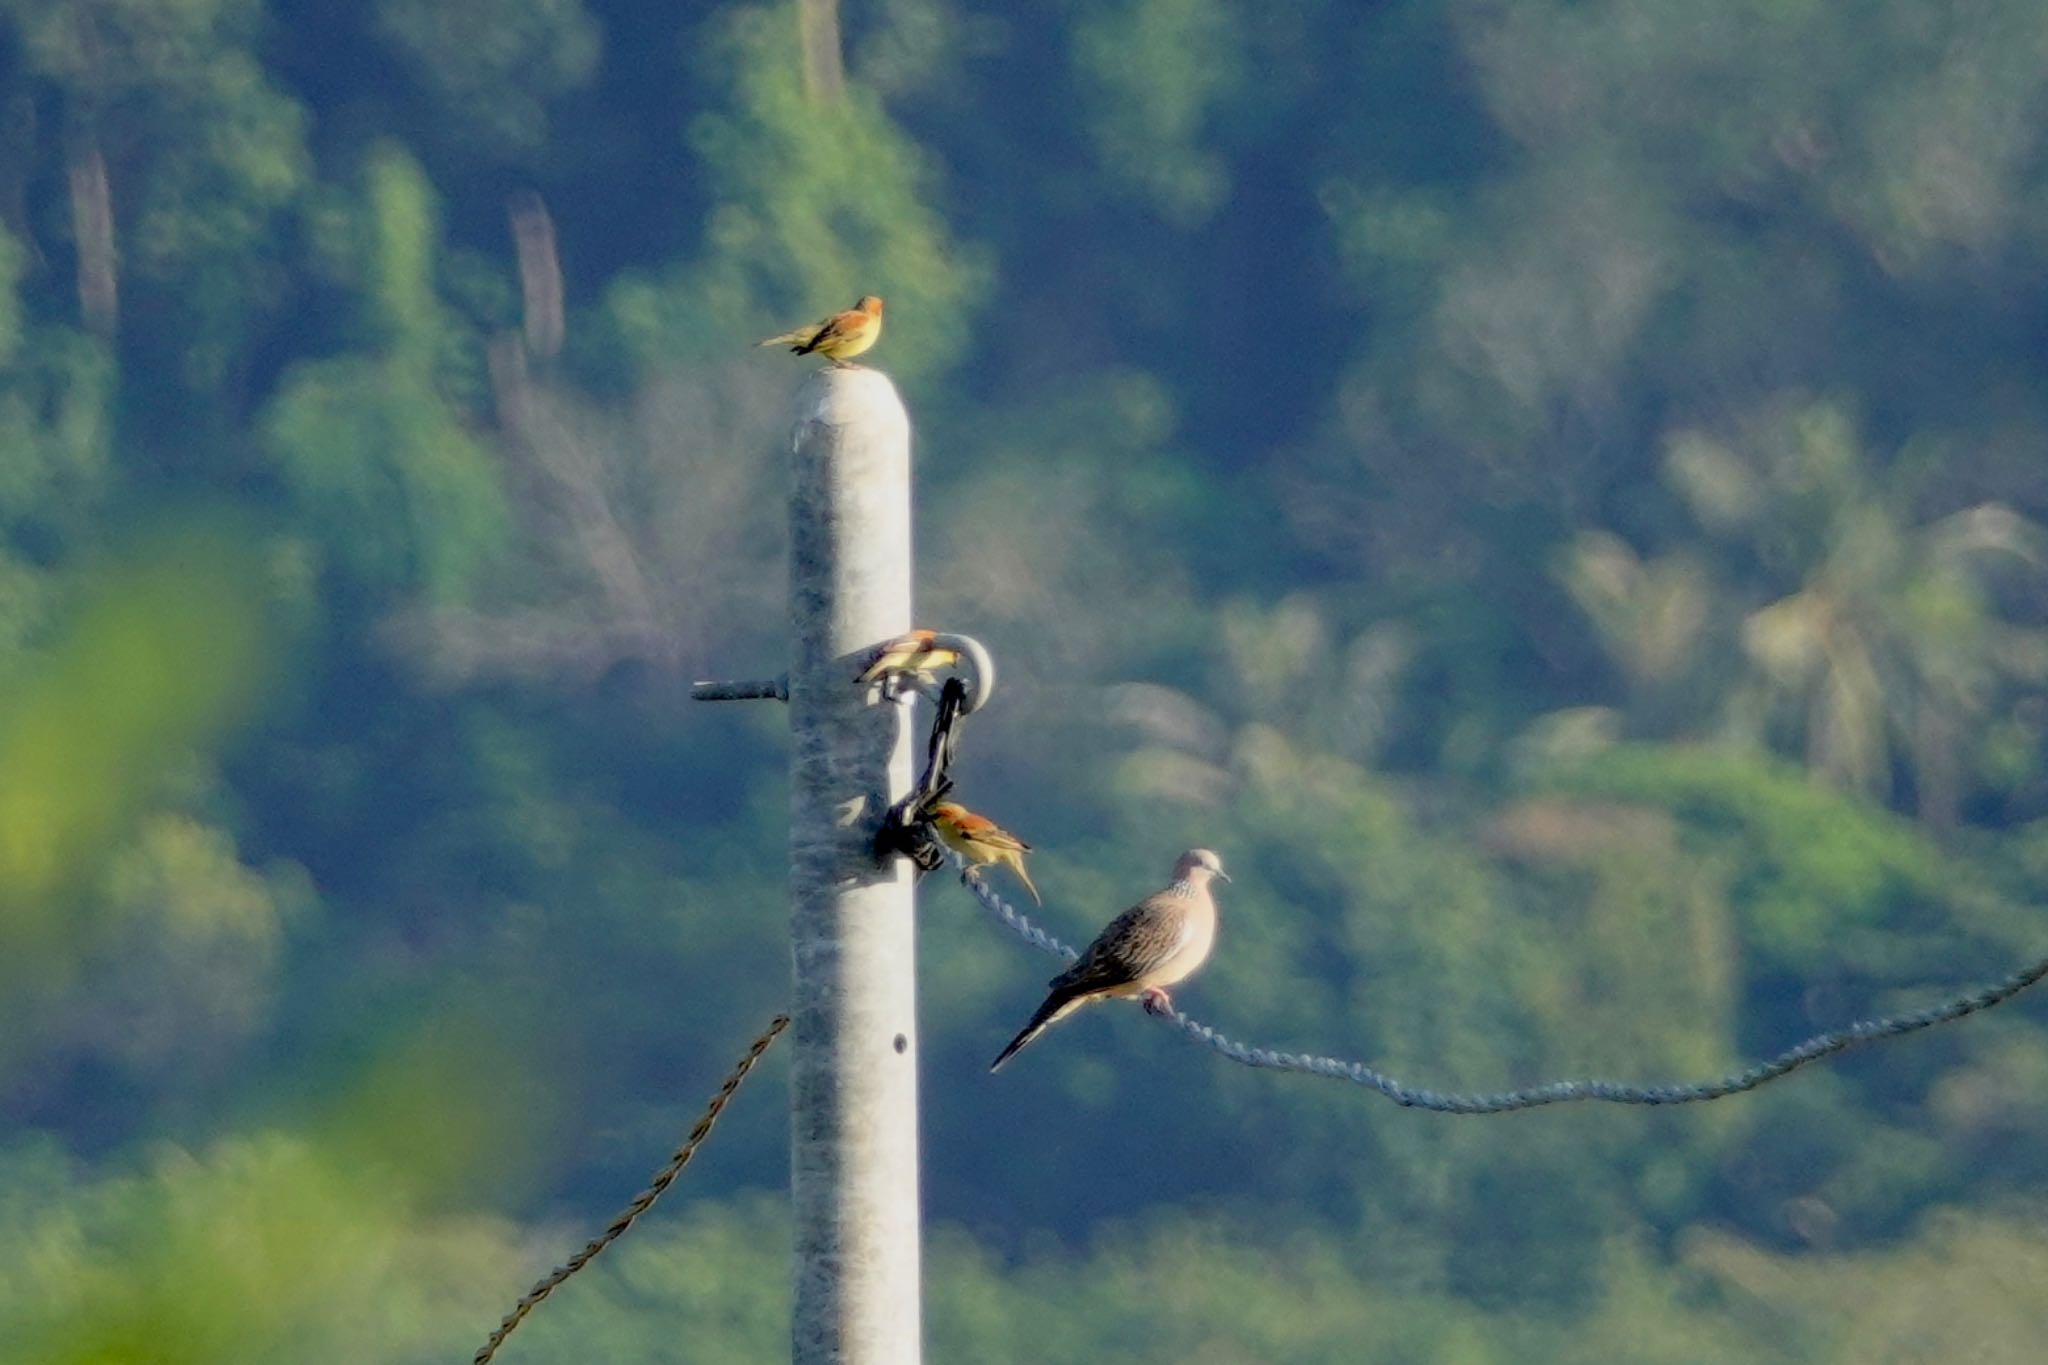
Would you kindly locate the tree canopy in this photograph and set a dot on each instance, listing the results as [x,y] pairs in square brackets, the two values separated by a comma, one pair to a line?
[1552,492]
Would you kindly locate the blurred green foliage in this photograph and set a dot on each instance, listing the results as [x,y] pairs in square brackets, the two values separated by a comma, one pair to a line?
[1551,491]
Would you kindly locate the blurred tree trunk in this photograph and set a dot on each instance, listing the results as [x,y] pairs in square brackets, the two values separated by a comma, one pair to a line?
[92,202]
[824,71]
[92,226]
[540,274]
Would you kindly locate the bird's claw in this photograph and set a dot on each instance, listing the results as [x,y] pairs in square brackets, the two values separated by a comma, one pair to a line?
[1156,1002]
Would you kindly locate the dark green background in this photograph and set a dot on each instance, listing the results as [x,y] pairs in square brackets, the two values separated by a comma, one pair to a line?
[1549,490]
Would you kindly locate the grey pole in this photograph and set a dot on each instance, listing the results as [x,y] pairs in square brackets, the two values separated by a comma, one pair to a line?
[853,1074]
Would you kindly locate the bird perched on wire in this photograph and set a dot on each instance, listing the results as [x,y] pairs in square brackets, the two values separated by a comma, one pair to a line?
[981,841]
[1156,943]
[916,654]
[838,338]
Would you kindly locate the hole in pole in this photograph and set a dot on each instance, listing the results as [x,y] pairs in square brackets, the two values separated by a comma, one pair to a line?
[902,1044]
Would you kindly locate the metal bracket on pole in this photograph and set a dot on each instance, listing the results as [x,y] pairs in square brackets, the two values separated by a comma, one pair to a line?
[979,662]
[746,689]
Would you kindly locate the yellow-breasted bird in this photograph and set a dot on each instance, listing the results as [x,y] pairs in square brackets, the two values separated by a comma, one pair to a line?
[1157,942]
[838,338]
[916,653]
[981,841]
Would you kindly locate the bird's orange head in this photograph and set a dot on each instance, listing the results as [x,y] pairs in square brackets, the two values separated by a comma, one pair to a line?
[871,304]
[961,818]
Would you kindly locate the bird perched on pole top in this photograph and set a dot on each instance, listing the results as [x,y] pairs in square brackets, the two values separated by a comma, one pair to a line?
[981,841]
[838,338]
[916,654]
[1156,943]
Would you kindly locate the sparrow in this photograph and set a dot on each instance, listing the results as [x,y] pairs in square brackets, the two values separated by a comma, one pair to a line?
[916,654]
[838,338]
[981,841]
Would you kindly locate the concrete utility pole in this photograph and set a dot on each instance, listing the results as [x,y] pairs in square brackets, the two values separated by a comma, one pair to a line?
[853,1076]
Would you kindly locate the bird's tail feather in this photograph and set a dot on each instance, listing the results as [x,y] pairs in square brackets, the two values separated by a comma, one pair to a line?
[1017,866]
[795,338]
[1055,1008]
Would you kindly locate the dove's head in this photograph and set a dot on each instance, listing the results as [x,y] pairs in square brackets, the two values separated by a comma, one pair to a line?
[1197,866]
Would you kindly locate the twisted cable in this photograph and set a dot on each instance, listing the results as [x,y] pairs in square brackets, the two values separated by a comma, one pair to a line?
[1553,1092]
[641,1201]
